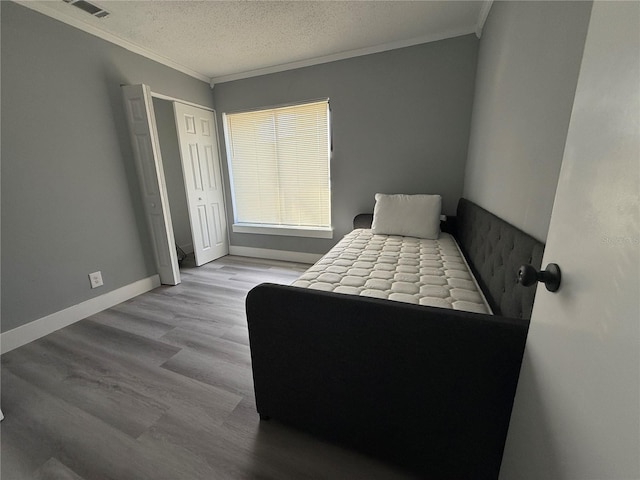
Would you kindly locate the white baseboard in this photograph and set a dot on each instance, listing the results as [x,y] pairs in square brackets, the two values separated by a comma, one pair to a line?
[284,255]
[44,326]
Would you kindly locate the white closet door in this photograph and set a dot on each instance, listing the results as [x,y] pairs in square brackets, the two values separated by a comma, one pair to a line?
[146,151]
[198,140]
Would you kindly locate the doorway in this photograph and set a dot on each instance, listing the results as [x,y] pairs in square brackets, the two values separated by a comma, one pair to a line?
[193,178]
[172,166]
[191,181]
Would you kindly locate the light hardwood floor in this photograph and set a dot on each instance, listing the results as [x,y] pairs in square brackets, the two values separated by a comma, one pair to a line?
[159,387]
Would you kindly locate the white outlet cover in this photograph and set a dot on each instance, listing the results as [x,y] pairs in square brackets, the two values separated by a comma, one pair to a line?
[96,279]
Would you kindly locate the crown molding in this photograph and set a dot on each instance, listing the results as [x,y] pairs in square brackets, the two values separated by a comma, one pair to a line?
[482,16]
[132,47]
[111,38]
[343,55]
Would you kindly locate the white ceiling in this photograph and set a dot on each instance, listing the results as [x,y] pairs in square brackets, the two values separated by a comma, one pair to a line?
[224,40]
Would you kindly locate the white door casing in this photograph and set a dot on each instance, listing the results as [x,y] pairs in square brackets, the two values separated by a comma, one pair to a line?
[146,151]
[197,135]
[576,414]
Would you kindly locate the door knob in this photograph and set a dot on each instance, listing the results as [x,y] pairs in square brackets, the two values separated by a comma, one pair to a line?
[527,276]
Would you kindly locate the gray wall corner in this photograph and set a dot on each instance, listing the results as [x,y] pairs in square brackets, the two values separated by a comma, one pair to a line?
[528,64]
[70,197]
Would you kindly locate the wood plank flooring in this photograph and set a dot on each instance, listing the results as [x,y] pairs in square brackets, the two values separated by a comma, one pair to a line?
[159,387]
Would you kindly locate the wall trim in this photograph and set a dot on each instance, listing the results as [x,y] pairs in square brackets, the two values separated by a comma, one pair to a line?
[344,55]
[44,326]
[42,8]
[287,231]
[482,17]
[169,98]
[287,256]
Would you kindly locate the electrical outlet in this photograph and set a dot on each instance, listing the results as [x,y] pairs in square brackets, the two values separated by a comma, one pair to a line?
[96,279]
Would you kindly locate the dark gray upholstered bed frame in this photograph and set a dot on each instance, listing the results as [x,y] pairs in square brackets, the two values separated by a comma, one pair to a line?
[428,389]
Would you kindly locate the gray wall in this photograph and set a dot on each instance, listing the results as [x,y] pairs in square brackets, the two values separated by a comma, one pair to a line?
[70,199]
[170,150]
[400,122]
[530,54]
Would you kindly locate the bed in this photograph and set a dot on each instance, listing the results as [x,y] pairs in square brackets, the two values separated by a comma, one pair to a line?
[426,388]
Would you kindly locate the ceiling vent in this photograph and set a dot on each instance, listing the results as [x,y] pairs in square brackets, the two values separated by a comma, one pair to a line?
[90,8]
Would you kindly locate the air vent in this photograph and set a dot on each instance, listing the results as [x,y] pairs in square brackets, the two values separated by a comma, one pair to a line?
[90,8]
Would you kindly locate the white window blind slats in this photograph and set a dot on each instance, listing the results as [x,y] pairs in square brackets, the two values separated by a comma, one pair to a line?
[279,160]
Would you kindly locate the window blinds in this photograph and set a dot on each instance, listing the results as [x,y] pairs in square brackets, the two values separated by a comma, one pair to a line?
[279,162]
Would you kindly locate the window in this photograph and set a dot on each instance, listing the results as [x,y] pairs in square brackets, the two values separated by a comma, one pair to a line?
[279,164]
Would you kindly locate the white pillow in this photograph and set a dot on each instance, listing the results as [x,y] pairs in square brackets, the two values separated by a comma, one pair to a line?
[407,215]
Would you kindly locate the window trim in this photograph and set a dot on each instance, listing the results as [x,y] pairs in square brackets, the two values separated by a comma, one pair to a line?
[276,229]
[283,230]
[280,105]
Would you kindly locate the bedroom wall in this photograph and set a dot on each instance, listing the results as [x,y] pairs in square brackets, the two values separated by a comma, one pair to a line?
[528,64]
[400,124]
[170,151]
[70,199]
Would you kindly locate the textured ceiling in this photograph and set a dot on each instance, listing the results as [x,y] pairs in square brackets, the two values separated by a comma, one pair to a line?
[231,39]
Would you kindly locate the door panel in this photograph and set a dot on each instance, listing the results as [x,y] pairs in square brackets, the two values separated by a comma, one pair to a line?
[161,245]
[205,127]
[204,226]
[201,169]
[189,123]
[146,153]
[143,150]
[211,170]
[217,218]
[576,414]
[196,171]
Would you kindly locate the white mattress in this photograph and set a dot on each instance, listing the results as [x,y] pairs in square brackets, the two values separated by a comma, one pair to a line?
[405,269]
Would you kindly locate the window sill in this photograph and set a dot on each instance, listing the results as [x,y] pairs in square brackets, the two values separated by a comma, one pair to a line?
[309,232]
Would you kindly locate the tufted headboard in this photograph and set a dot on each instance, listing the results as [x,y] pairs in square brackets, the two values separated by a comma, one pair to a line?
[495,250]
